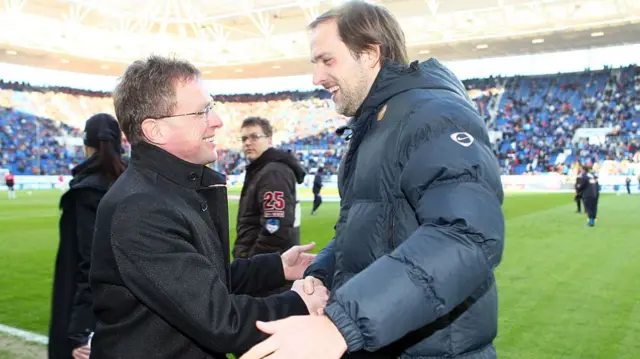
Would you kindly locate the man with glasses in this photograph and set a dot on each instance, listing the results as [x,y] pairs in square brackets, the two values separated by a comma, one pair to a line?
[269,213]
[161,277]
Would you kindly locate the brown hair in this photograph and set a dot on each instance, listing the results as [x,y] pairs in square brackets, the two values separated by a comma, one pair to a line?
[258,121]
[147,90]
[109,161]
[362,26]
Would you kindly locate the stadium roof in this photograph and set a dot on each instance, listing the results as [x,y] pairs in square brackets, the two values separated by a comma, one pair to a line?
[259,38]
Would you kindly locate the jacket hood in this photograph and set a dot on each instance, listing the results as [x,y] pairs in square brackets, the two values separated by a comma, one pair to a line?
[275,155]
[85,169]
[87,174]
[394,78]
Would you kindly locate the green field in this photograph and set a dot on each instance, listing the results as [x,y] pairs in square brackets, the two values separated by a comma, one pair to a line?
[566,290]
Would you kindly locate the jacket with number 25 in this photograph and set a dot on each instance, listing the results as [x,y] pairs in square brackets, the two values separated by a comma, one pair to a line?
[269,212]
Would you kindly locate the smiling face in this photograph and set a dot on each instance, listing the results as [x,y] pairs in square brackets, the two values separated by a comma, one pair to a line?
[349,79]
[190,137]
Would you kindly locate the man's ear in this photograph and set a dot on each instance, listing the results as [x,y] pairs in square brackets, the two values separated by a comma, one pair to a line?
[152,131]
[372,56]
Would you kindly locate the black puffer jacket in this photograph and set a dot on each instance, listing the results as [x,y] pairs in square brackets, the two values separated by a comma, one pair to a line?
[269,212]
[421,228]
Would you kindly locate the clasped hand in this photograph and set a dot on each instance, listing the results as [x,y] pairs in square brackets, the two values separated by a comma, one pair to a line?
[314,294]
[306,336]
[295,261]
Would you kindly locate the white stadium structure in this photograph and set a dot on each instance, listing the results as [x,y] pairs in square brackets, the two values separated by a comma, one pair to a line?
[233,39]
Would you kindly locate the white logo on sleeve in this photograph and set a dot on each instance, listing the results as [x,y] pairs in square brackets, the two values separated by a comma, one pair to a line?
[462,138]
[272,225]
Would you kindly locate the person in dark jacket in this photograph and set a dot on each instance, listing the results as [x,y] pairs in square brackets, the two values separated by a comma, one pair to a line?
[72,319]
[317,187]
[578,196]
[269,211]
[421,227]
[162,281]
[628,185]
[590,189]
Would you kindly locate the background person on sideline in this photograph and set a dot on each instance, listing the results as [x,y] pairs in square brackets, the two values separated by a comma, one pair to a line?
[578,196]
[268,213]
[10,182]
[628,184]
[590,189]
[421,228]
[72,318]
[317,187]
[163,284]
[61,185]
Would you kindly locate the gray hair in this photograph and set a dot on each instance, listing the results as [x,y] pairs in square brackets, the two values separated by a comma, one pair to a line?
[148,90]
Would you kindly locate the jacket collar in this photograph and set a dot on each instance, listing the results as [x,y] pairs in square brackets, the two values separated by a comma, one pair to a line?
[395,78]
[174,169]
[276,155]
[267,156]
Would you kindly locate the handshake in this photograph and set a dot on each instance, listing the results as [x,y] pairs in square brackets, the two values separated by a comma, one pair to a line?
[314,294]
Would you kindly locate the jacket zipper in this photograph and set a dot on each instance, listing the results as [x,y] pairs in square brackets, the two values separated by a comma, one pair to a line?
[393,228]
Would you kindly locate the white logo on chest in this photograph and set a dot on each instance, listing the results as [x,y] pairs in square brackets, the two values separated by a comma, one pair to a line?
[462,138]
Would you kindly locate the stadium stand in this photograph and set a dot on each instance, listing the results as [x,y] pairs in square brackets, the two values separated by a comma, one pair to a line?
[538,117]
[534,122]
[23,135]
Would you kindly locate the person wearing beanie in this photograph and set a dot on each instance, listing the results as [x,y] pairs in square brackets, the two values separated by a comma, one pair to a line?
[72,319]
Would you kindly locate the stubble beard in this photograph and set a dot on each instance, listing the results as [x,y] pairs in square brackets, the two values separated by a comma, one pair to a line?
[353,97]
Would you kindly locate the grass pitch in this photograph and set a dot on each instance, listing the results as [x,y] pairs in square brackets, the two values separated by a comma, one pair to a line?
[566,290]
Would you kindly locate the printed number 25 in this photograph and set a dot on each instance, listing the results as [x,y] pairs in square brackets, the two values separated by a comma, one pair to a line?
[273,201]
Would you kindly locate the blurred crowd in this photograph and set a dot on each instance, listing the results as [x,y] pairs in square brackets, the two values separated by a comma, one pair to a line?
[533,121]
[24,136]
[538,118]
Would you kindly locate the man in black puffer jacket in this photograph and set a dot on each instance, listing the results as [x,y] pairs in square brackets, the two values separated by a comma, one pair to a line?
[421,228]
[269,212]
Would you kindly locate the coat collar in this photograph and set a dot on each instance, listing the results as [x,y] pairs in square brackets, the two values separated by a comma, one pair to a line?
[87,174]
[174,169]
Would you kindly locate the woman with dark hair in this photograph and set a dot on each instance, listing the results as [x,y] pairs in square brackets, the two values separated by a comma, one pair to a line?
[72,318]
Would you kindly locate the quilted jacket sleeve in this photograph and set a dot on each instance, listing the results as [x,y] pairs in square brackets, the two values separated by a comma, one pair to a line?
[452,181]
[323,265]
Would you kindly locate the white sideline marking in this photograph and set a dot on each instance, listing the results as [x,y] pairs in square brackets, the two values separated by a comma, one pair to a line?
[41,339]
[22,334]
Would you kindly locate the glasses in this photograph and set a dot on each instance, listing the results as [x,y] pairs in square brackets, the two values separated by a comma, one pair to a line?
[203,113]
[253,137]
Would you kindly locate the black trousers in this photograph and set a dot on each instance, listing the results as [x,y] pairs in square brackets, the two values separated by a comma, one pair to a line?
[317,201]
[591,206]
[578,200]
